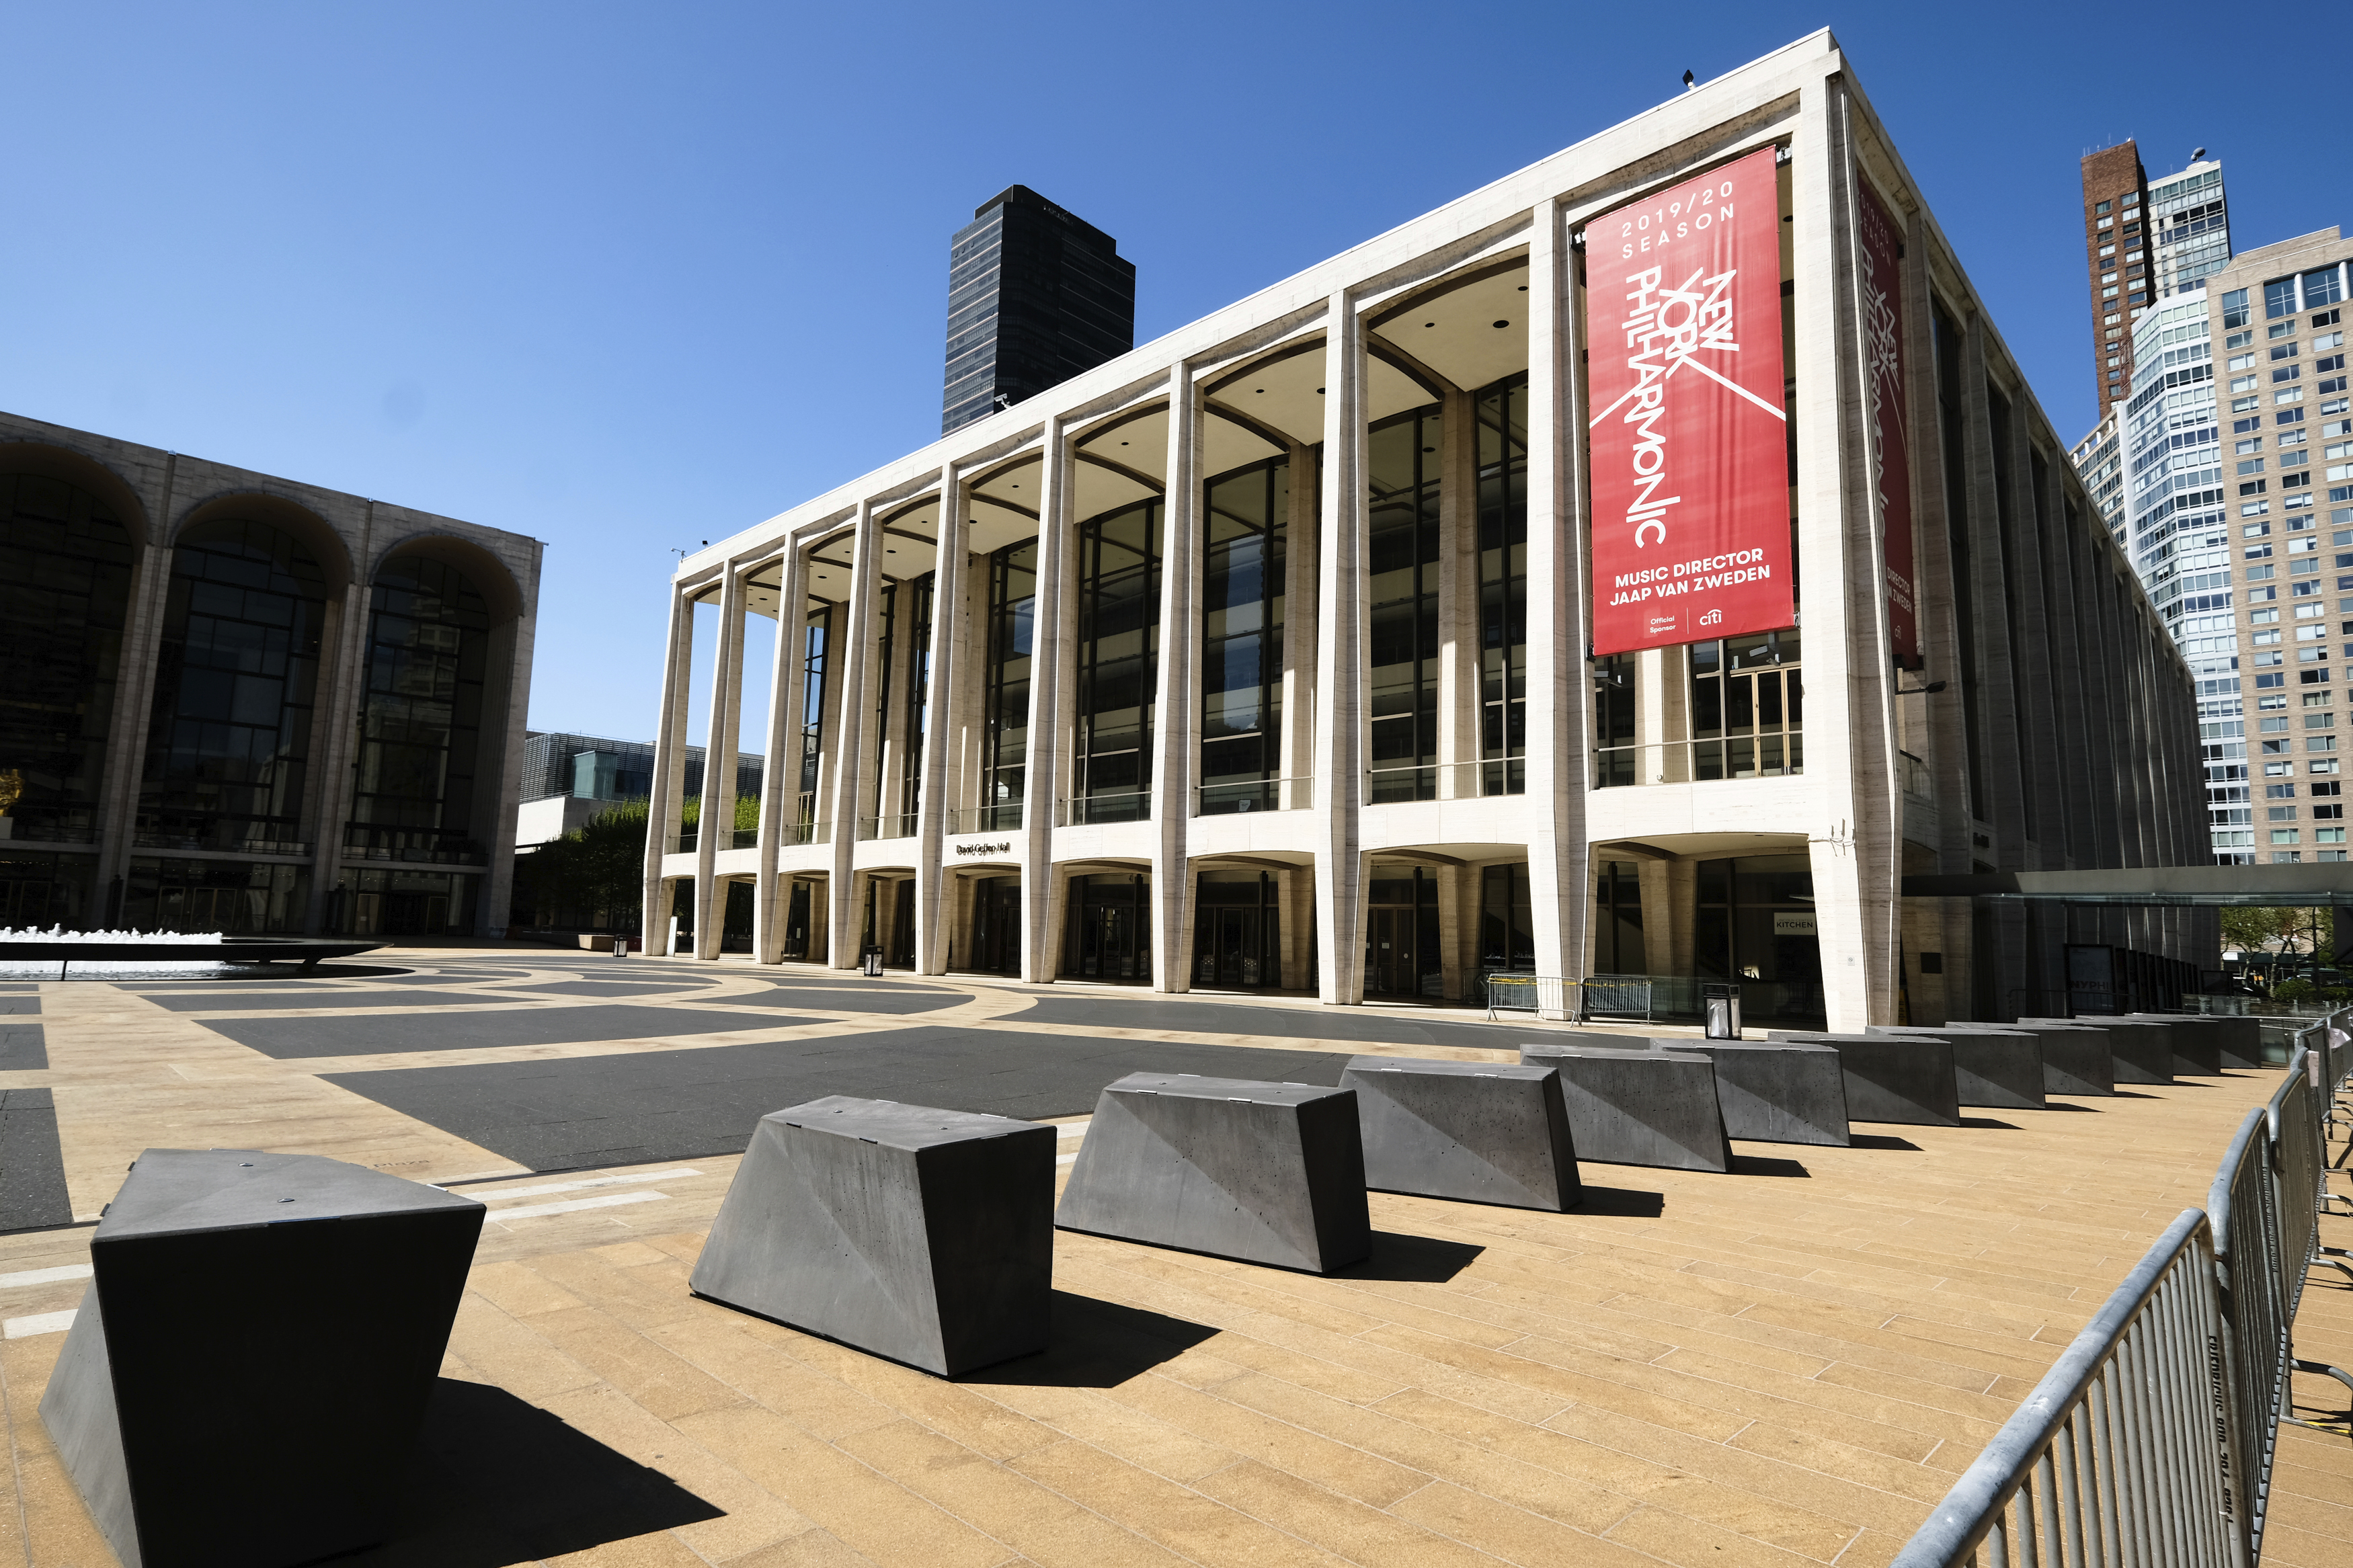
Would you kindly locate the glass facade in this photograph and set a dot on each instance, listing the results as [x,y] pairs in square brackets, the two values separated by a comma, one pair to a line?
[1117,664]
[65,584]
[421,735]
[918,694]
[237,676]
[1109,928]
[1237,931]
[815,634]
[1005,685]
[1241,639]
[1502,414]
[1403,955]
[233,897]
[1756,926]
[1405,458]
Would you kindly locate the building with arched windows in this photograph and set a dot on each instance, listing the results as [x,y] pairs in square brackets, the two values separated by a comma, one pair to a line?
[240,704]
[1419,618]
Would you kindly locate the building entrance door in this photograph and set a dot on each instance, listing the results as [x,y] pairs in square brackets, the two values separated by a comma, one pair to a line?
[1111,934]
[1237,931]
[1401,939]
[997,926]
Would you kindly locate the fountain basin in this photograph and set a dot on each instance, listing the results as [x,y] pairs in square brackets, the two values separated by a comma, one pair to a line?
[306,951]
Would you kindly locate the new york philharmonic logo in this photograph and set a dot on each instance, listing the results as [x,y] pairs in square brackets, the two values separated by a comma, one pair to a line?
[1669,328]
[1691,534]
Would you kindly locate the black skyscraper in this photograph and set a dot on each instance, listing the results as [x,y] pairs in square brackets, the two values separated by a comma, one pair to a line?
[1035,296]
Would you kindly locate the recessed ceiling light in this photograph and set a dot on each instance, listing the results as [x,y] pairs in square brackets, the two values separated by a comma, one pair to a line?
[1430,323]
[1319,391]
[1524,287]
[1122,443]
[1503,323]
[1429,449]
[1261,389]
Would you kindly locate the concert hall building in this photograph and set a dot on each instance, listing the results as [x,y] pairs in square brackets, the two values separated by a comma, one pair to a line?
[1636,567]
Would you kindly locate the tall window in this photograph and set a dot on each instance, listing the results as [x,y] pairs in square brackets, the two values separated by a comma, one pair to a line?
[228,745]
[919,682]
[1119,612]
[1953,430]
[814,633]
[1241,640]
[1005,735]
[1504,587]
[1508,936]
[1617,758]
[1404,456]
[1747,707]
[428,641]
[884,649]
[65,581]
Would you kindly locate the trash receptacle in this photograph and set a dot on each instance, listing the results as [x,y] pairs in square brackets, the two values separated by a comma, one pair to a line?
[870,961]
[1721,1006]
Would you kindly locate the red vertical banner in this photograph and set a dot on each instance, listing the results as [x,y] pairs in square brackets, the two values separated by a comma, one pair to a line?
[1689,437]
[1891,454]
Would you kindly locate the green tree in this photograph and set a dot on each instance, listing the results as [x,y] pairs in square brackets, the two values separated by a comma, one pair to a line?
[595,875]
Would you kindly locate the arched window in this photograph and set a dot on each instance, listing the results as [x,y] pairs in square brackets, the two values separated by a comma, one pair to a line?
[228,740]
[64,582]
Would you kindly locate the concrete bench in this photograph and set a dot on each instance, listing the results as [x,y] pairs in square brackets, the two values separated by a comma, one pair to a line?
[1888,1080]
[1637,1106]
[1487,1133]
[248,1372]
[1773,1091]
[2142,1052]
[1992,1065]
[923,1236]
[1262,1173]
[2197,1040]
[2075,1060]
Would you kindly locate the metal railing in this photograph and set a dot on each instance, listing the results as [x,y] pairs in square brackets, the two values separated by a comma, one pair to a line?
[1001,818]
[1086,810]
[1544,995]
[32,830]
[1295,793]
[2152,1440]
[2114,1459]
[238,847]
[897,824]
[1644,997]
[1771,754]
[1446,781]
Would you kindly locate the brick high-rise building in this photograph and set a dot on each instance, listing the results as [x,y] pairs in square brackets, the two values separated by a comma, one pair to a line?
[2115,188]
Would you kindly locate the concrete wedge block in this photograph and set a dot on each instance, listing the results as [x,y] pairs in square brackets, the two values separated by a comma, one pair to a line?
[2241,1038]
[919,1234]
[2075,1060]
[1992,1066]
[1890,1080]
[248,1372]
[1262,1173]
[1773,1091]
[2197,1040]
[1485,1132]
[2142,1052]
[1637,1108]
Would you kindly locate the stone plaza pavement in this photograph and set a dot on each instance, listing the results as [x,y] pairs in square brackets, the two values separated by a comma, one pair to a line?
[1784,1366]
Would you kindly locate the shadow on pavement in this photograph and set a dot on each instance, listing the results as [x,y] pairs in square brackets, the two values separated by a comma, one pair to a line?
[497,1481]
[1098,1345]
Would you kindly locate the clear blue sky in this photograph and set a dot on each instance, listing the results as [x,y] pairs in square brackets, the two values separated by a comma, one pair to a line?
[626,277]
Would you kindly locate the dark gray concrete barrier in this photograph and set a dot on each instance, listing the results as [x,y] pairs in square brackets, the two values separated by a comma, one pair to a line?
[2242,1041]
[1888,1080]
[246,1376]
[1640,1107]
[1773,1091]
[919,1234]
[1265,1172]
[1992,1065]
[2075,1059]
[2141,1051]
[1486,1132]
[2197,1041]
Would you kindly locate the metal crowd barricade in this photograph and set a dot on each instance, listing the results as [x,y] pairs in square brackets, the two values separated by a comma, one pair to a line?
[1540,996]
[2079,1477]
[2118,1458]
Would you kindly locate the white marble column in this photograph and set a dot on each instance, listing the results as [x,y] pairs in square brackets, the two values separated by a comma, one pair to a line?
[716,829]
[781,778]
[1176,698]
[1342,578]
[1560,688]
[853,708]
[666,808]
[1302,549]
[1042,769]
[1457,598]
[942,725]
